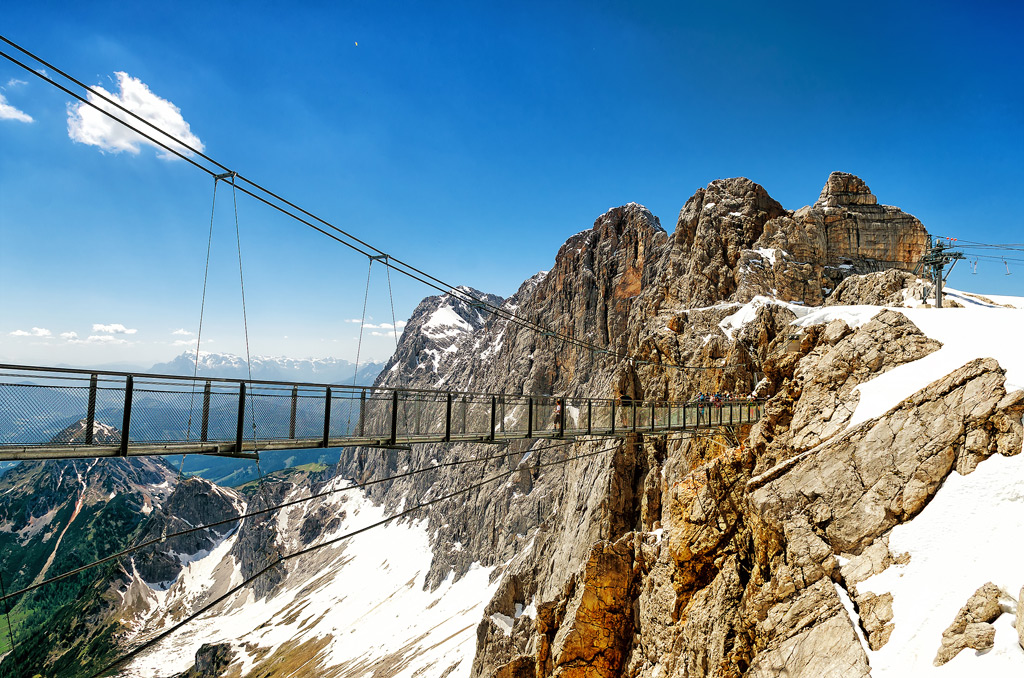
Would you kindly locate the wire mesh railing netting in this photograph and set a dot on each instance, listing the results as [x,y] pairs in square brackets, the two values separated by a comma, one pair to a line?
[40,408]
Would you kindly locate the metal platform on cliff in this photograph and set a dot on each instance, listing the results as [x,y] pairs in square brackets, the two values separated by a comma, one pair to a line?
[55,413]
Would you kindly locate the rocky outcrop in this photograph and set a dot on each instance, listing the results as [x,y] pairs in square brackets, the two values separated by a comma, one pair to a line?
[595,625]
[804,255]
[973,625]
[825,382]
[714,229]
[882,288]
[212,661]
[885,470]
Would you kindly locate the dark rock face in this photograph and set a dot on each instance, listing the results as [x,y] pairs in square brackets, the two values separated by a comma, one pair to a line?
[194,501]
[212,661]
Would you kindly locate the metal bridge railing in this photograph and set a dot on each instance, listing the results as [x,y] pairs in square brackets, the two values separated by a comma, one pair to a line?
[52,412]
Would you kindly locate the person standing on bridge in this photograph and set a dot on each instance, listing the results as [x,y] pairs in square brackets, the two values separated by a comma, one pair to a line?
[558,413]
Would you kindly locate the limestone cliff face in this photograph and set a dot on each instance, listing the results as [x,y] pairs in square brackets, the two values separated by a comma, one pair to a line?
[805,254]
[681,557]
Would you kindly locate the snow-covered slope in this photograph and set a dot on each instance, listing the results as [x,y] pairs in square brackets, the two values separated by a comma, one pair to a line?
[346,610]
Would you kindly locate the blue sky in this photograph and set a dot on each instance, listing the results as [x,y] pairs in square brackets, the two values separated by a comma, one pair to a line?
[470,140]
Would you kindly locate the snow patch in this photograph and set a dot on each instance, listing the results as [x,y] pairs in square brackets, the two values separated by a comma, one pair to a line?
[503,622]
[767,253]
[748,311]
[962,539]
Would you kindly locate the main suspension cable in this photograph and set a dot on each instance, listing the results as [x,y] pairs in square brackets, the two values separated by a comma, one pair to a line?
[360,245]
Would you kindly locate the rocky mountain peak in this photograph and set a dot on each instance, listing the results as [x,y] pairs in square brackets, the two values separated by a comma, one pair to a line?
[845,189]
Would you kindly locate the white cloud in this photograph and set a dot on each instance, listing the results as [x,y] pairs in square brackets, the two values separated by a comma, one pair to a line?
[381,326]
[113,328]
[14,82]
[183,332]
[8,112]
[69,335]
[189,342]
[105,339]
[36,332]
[87,125]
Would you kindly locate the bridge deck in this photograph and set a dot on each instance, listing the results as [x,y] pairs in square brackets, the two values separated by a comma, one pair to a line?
[50,413]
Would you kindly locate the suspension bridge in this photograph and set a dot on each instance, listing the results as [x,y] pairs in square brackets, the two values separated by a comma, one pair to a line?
[48,412]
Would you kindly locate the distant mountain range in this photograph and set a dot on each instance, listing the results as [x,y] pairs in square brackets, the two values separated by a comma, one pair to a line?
[323,370]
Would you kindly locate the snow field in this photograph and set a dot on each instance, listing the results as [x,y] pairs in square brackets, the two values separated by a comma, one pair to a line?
[969,534]
[366,599]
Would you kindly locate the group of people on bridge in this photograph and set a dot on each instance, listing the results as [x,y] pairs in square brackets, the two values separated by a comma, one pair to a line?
[719,397]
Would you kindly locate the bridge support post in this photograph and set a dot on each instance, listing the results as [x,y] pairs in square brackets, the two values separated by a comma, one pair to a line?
[394,417]
[494,413]
[448,418]
[204,427]
[126,421]
[291,419]
[327,418]
[590,416]
[362,413]
[613,415]
[90,411]
[652,416]
[529,417]
[634,416]
[561,417]
[241,418]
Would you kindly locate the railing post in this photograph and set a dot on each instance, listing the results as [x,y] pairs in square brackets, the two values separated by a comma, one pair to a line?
[561,417]
[204,428]
[652,416]
[362,413]
[529,417]
[448,418]
[418,408]
[465,408]
[634,416]
[241,418]
[613,415]
[394,417]
[590,417]
[90,410]
[129,386]
[327,418]
[291,419]
[494,413]
[732,407]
